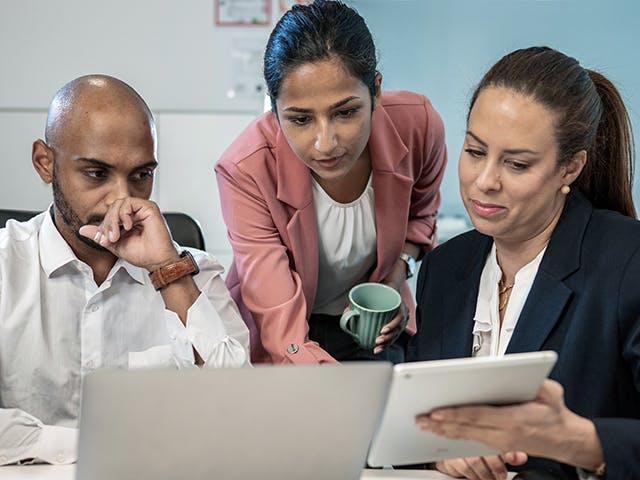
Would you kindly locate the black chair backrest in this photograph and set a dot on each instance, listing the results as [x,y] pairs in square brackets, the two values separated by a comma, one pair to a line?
[184,229]
[20,215]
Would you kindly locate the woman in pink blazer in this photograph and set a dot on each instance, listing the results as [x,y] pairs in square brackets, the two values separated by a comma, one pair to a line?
[338,184]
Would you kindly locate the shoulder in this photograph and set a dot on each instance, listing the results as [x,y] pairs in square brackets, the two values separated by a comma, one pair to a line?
[460,249]
[413,117]
[402,105]
[458,255]
[19,246]
[257,139]
[17,235]
[610,234]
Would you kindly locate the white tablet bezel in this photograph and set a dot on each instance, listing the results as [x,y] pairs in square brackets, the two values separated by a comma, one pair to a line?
[420,387]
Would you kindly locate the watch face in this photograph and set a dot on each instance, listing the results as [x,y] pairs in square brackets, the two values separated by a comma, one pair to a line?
[411,264]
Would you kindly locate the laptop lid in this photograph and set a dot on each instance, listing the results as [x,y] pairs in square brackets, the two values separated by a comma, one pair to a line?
[268,422]
[420,387]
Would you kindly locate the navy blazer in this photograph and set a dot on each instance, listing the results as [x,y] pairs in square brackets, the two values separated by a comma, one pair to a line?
[584,304]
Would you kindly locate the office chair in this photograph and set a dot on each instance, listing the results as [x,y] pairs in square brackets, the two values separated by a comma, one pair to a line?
[184,229]
[20,215]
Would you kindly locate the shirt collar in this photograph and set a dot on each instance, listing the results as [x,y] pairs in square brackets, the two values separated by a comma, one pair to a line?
[55,253]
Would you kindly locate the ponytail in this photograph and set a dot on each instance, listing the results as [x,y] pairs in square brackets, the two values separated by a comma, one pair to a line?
[607,177]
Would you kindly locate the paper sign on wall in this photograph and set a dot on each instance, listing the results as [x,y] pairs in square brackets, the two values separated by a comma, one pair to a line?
[233,13]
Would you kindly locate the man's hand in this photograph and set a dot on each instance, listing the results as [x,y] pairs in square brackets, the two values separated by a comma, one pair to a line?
[134,229]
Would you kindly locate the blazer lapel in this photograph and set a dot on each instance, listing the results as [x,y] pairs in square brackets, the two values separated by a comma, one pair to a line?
[294,190]
[549,294]
[392,189]
[457,337]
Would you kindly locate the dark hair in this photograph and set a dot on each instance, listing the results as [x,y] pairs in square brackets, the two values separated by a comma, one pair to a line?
[591,116]
[320,31]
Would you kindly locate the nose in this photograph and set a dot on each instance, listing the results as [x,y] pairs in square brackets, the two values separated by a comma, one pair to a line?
[120,188]
[326,140]
[488,177]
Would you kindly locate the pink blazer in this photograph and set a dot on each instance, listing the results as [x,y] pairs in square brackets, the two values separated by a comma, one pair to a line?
[267,204]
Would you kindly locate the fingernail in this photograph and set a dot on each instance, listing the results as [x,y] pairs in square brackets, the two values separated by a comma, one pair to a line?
[436,416]
[97,237]
[112,236]
[103,240]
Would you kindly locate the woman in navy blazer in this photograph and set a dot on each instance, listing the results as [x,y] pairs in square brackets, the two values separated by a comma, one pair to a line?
[553,264]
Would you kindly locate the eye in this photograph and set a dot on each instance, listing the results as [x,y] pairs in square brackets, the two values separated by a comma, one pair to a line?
[516,165]
[474,152]
[95,173]
[349,112]
[299,120]
[142,175]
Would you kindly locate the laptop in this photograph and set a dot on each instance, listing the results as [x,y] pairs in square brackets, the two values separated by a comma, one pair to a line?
[312,422]
[420,387]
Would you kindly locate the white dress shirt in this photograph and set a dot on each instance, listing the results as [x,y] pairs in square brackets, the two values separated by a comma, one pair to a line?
[490,337]
[56,325]
[347,246]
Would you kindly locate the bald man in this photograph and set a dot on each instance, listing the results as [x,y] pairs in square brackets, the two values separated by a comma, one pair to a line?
[96,280]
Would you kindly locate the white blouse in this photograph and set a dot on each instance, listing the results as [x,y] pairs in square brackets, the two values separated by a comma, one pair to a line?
[346,246]
[489,338]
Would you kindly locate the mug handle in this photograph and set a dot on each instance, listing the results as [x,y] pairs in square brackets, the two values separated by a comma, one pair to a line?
[344,323]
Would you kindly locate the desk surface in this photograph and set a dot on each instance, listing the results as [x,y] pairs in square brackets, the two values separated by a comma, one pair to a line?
[67,472]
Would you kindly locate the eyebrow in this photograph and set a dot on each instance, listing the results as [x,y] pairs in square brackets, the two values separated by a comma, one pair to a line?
[511,151]
[331,107]
[101,164]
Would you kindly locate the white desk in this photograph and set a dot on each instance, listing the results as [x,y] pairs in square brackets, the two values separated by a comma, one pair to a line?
[67,472]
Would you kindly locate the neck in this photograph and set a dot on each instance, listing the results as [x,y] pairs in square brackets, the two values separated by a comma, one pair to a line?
[349,187]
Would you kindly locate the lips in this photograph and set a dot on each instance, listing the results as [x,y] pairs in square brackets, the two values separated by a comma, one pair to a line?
[329,162]
[487,209]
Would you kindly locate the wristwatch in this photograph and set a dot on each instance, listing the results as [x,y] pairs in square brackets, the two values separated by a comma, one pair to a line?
[411,264]
[163,276]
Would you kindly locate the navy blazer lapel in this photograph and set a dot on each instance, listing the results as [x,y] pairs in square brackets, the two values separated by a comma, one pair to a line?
[549,294]
[457,334]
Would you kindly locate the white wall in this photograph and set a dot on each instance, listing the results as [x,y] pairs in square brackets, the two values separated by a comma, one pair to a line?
[170,52]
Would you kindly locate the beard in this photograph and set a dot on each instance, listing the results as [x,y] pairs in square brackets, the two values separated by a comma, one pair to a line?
[70,217]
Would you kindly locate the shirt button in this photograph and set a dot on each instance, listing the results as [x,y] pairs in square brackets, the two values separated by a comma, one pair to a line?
[90,364]
[292,348]
[60,458]
[94,308]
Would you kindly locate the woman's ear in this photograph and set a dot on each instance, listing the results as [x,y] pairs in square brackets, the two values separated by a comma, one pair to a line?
[573,168]
[42,159]
[377,89]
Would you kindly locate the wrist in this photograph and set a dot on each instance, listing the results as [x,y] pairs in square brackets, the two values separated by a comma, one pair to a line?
[172,272]
[168,259]
[583,448]
[409,263]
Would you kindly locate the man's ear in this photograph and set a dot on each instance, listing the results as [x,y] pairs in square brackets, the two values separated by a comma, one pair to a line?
[377,89]
[42,159]
[573,168]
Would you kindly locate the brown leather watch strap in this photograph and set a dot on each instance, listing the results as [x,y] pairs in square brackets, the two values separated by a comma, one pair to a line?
[163,276]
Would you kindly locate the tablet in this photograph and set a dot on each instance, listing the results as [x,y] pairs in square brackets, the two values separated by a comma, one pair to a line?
[420,387]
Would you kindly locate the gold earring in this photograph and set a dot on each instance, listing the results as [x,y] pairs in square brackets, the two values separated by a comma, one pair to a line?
[565,189]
